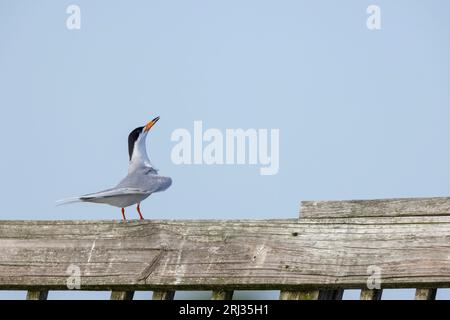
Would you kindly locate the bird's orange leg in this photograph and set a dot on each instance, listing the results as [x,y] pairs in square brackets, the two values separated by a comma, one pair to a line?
[123,214]
[139,211]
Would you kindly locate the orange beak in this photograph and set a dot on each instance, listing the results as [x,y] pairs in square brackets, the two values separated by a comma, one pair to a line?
[149,125]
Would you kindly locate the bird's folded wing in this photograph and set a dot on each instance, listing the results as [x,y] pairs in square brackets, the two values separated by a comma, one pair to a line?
[115,192]
[109,193]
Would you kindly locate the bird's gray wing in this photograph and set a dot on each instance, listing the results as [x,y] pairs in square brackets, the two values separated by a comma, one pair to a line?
[145,179]
[105,194]
[114,192]
[156,183]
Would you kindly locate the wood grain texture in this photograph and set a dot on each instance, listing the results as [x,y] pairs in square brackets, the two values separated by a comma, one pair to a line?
[425,294]
[122,295]
[371,294]
[291,254]
[376,208]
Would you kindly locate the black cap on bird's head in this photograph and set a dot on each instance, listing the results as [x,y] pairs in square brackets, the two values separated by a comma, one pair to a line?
[137,133]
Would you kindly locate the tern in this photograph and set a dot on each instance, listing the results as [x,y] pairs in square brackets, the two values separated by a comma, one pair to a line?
[141,181]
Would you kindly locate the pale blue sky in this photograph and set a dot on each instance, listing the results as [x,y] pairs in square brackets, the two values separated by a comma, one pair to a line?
[362,114]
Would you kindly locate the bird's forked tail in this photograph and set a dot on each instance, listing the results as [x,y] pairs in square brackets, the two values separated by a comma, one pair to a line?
[67,201]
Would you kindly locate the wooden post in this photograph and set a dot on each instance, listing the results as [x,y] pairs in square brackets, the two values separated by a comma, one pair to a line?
[163,295]
[371,294]
[426,294]
[222,295]
[336,294]
[122,295]
[37,295]
[299,295]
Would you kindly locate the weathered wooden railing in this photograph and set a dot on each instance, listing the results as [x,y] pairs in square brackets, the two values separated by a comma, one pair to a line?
[335,245]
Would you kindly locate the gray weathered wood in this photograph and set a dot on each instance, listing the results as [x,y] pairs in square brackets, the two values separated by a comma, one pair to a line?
[375,208]
[426,294]
[122,295]
[37,295]
[371,294]
[222,295]
[264,254]
[299,295]
[163,295]
[411,250]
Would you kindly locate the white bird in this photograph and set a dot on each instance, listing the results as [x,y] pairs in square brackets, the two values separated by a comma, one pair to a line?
[141,181]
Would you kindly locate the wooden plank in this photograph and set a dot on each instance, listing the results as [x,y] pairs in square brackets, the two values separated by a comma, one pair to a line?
[37,295]
[222,295]
[336,294]
[371,294]
[426,294]
[299,295]
[163,295]
[376,208]
[122,295]
[291,254]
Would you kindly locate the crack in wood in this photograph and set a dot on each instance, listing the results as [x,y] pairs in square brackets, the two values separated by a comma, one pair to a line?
[152,265]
